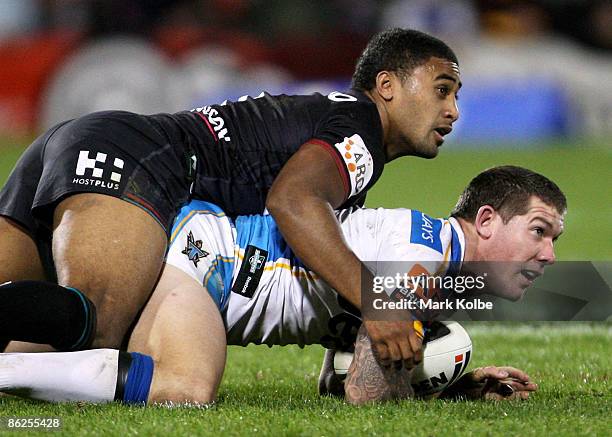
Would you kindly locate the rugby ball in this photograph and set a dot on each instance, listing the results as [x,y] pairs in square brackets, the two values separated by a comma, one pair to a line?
[446,355]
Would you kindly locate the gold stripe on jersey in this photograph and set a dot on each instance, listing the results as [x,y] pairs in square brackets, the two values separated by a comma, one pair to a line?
[191,213]
[296,271]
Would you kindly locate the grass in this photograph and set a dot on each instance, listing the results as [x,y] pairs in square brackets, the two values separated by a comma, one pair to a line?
[584,174]
[273,391]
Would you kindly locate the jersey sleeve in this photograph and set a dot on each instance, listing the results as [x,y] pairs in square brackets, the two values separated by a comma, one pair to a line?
[412,237]
[425,251]
[351,132]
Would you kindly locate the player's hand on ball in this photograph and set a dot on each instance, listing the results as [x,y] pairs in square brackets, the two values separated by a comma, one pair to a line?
[493,383]
[394,341]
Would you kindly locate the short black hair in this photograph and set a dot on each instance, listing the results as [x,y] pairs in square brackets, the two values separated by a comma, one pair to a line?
[400,51]
[508,189]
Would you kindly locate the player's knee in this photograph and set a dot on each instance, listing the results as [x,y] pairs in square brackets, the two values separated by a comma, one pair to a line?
[117,301]
[180,389]
[112,318]
[180,386]
[89,317]
[107,340]
[110,332]
[186,396]
[19,257]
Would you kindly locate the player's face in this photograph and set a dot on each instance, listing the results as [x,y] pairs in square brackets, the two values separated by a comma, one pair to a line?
[525,244]
[424,108]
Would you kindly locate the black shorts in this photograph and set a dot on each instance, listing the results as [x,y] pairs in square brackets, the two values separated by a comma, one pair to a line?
[116,153]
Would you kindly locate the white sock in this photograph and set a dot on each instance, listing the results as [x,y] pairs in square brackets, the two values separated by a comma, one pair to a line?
[89,376]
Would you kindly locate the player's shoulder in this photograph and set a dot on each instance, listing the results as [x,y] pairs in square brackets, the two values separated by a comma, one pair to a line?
[427,231]
[351,103]
[349,106]
[416,234]
[334,101]
[354,110]
[348,98]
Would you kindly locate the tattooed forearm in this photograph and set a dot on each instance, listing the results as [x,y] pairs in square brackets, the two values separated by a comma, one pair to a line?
[368,381]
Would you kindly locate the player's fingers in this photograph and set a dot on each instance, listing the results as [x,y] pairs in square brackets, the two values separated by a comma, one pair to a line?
[508,391]
[407,354]
[504,389]
[381,353]
[417,348]
[492,396]
[416,344]
[515,373]
[395,353]
[481,373]
[521,386]
[420,355]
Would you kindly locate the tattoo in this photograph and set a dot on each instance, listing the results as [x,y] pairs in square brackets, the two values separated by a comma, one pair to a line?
[369,381]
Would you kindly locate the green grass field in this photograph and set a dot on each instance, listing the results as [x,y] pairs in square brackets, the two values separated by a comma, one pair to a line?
[273,391]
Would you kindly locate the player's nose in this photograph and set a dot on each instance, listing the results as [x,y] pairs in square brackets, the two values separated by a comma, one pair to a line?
[452,111]
[547,253]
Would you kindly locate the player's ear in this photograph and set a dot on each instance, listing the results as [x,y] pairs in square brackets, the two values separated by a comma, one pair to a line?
[484,221]
[384,85]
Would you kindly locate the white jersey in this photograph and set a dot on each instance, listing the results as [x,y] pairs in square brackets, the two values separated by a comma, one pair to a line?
[267,296]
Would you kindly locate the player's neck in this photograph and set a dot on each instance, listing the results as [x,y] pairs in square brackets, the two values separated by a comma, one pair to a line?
[471,240]
[390,153]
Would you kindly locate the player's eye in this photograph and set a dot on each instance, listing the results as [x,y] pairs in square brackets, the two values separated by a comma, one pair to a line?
[443,90]
[539,231]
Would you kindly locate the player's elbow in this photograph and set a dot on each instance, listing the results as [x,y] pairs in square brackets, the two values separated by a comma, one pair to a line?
[282,202]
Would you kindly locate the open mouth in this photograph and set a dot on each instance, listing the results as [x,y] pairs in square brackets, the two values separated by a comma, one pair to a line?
[445,130]
[531,275]
[441,132]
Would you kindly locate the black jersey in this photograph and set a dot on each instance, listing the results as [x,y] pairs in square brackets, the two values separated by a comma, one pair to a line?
[241,146]
[227,154]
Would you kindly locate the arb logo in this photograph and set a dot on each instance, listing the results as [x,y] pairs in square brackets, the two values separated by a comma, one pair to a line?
[358,161]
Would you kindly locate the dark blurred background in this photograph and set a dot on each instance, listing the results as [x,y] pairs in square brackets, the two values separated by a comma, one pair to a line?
[533,70]
[537,80]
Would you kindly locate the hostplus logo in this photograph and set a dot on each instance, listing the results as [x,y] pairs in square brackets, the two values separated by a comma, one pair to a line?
[95,168]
